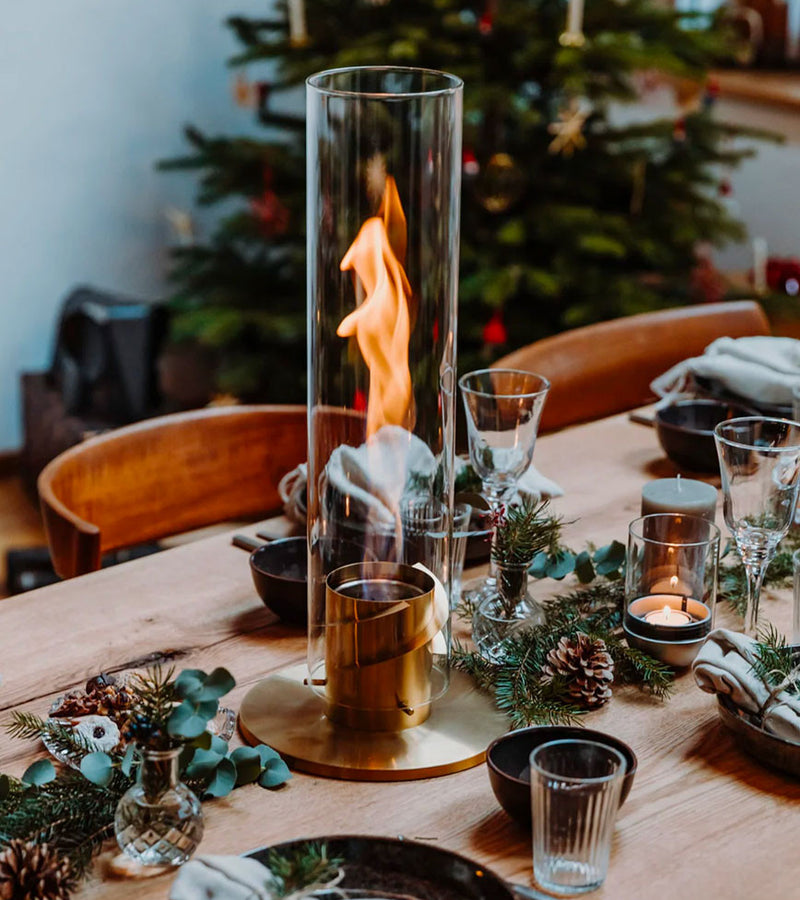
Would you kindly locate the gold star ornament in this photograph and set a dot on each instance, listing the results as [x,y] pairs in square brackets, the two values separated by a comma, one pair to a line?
[568,130]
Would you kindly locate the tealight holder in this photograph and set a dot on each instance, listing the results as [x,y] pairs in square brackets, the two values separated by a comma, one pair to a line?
[670,585]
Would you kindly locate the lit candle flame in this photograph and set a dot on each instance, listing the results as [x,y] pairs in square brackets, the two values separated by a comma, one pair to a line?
[381,323]
[666,612]
[673,582]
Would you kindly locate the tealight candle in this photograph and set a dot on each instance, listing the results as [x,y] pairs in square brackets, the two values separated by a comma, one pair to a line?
[668,616]
[680,495]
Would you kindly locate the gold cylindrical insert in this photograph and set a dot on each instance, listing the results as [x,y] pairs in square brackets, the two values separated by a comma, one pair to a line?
[380,620]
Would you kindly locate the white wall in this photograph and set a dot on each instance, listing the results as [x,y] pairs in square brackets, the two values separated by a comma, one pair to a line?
[92,93]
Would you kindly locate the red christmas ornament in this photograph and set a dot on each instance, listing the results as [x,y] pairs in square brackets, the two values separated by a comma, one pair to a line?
[359,401]
[486,21]
[725,188]
[494,331]
[783,275]
[470,163]
[271,212]
[679,131]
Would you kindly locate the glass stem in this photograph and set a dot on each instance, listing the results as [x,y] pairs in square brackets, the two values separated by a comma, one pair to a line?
[755,570]
[496,497]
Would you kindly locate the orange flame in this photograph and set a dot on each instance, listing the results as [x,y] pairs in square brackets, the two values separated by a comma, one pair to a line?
[381,322]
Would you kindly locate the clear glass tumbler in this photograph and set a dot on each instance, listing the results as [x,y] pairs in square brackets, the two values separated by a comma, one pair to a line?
[575,792]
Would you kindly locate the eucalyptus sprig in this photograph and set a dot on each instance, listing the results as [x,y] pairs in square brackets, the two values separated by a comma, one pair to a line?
[74,811]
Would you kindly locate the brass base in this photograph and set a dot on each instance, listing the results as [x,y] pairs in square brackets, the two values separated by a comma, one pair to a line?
[286,714]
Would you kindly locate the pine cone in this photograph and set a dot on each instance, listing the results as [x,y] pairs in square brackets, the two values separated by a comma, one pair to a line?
[31,871]
[586,666]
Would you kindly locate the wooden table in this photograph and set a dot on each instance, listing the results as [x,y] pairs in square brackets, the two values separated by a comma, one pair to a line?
[702,821]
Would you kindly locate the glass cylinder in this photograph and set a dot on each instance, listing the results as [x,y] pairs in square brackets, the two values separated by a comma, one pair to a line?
[670,584]
[384,161]
[159,821]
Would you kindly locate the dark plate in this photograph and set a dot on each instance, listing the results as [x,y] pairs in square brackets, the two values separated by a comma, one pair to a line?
[405,867]
[767,748]
[686,431]
[509,768]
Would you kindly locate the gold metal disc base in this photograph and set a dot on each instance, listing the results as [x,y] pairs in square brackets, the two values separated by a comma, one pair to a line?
[285,713]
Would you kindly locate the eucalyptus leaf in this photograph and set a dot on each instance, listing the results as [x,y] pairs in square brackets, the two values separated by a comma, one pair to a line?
[275,774]
[97,768]
[608,559]
[584,569]
[217,684]
[127,760]
[560,564]
[39,772]
[538,567]
[189,683]
[266,753]
[248,764]
[223,781]
[218,745]
[184,722]
[203,763]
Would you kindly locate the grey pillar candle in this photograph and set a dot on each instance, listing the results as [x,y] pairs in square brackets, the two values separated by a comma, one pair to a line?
[680,495]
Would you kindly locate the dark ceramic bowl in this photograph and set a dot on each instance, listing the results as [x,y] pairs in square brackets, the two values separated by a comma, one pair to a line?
[686,431]
[509,767]
[280,574]
[773,751]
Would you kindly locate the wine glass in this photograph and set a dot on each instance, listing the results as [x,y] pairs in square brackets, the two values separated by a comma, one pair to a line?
[758,461]
[503,408]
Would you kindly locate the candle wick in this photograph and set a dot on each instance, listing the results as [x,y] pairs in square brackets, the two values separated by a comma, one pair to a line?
[678,479]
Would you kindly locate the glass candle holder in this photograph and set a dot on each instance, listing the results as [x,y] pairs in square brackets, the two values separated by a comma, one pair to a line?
[670,585]
[384,163]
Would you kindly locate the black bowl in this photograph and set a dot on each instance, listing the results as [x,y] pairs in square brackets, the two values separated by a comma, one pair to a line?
[686,431]
[280,574]
[509,767]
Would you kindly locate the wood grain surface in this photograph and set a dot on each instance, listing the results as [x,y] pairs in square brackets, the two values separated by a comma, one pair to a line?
[702,820]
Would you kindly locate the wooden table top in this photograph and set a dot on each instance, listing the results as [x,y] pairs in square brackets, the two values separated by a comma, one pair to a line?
[702,820]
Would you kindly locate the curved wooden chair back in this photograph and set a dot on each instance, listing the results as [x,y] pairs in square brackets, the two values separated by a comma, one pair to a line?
[164,476]
[606,368]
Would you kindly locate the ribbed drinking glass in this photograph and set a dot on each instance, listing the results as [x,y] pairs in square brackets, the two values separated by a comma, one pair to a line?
[575,792]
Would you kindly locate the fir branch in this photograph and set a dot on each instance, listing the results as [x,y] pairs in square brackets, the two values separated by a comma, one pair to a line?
[61,738]
[306,866]
[632,666]
[524,530]
[775,662]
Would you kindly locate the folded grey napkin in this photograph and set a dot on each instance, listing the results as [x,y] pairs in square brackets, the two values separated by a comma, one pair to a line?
[762,369]
[724,665]
[224,878]
[366,477]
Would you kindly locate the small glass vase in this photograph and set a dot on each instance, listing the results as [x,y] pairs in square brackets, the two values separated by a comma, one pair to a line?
[159,821]
[504,611]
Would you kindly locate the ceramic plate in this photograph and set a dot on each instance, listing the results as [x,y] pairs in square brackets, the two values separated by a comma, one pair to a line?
[765,747]
[413,871]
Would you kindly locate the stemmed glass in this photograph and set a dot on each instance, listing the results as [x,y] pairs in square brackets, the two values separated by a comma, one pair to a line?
[503,408]
[758,461]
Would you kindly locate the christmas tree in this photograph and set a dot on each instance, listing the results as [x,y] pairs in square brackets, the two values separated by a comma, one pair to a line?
[568,217]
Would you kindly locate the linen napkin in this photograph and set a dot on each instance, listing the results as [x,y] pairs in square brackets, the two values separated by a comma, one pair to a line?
[724,666]
[760,368]
[224,878]
[349,470]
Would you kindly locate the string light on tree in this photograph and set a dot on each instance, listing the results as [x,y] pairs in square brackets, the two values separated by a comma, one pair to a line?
[573,36]
[298,33]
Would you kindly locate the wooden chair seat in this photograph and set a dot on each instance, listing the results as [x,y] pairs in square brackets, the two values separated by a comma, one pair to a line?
[607,368]
[164,476]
